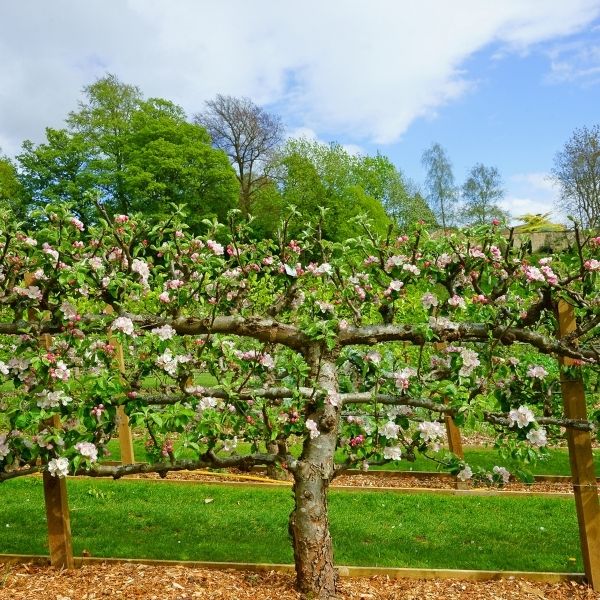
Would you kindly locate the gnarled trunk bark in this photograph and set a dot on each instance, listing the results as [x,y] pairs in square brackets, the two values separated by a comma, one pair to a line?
[309,527]
[309,522]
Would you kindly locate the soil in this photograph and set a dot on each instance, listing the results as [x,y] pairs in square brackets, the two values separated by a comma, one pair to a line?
[131,581]
[371,480]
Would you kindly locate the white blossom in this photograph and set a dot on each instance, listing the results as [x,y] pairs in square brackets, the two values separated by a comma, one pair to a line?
[429,301]
[521,417]
[504,473]
[166,332]
[68,310]
[58,467]
[4,449]
[392,453]
[537,372]
[87,450]
[470,360]
[230,444]
[537,437]
[53,399]
[432,432]
[389,430]
[124,324]
[457,302]
[465,474]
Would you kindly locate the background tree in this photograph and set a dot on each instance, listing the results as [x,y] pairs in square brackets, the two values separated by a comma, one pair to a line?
[13,197]
[311,175]
[248,135]
[439,183]
[577,173]
[481,192]
[58,170]
[139,155]
[531,223]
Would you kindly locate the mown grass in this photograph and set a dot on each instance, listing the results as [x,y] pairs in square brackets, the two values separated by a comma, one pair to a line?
[205,522]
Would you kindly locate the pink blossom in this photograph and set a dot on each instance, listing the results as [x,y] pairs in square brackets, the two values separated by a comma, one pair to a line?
[164,297]
[537,372]
[592,264]
[216,248]
[429,301]
[121,219]
[76,223]
[174,284]
[457,302]
[533,273]
[476,252]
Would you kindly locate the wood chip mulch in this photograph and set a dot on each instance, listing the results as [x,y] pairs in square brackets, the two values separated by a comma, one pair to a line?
[101,582]
[370,481]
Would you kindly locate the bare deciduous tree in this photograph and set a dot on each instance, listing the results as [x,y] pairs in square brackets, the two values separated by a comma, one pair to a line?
[248,135]
[577,173]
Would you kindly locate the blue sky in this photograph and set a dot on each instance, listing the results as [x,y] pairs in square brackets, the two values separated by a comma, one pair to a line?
[503,83]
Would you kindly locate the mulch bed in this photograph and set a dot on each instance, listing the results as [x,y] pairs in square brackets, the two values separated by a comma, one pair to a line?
[368,481]
[100,582]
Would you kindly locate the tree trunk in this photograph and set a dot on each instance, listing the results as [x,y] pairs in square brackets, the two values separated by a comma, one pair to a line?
[274,471]
[309,527]
[309,522]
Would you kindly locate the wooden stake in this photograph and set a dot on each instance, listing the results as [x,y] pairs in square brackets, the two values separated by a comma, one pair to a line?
[454,438]
[58,518]
[125,434]
[55,492]
[452,431]
[581,458]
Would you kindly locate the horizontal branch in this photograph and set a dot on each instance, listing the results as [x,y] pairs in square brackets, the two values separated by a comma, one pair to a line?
[274,393]
[208,460]
[259,328]
[494,418]
[466,332]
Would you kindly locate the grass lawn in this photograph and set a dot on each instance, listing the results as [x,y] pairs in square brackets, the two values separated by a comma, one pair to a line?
[139,519]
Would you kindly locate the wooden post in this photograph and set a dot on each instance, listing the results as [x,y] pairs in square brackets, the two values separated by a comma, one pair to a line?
[125,434]
[581,458]
[58,518]
[55,493]
[452,431]
[454,439]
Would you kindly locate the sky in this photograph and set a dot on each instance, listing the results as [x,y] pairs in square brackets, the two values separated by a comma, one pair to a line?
[501,83]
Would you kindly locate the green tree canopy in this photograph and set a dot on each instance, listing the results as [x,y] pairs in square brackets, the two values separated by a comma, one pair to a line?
[12,194]
[311,175]
[138,155]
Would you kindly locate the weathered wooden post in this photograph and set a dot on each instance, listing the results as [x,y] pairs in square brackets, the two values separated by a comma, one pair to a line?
[58,518]
[452,431]
[581,457]
[125,435]
[55,494]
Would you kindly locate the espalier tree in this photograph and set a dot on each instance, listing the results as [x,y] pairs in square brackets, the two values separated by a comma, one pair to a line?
[355,349]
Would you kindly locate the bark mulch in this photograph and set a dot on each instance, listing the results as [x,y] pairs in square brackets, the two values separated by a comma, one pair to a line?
[369,480]
[101,582]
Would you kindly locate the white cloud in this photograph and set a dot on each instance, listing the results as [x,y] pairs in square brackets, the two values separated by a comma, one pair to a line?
[356,70]
[532,193]
[575,62]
